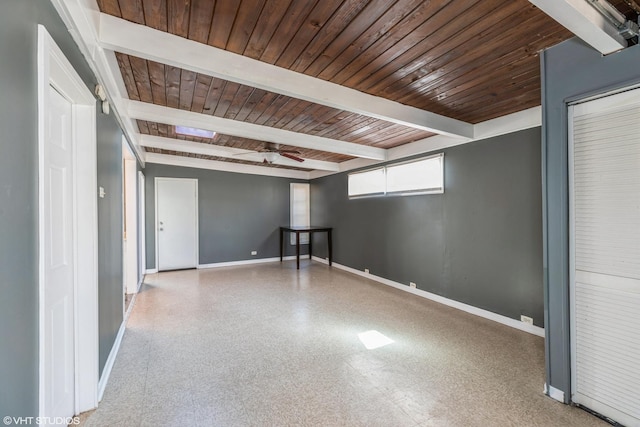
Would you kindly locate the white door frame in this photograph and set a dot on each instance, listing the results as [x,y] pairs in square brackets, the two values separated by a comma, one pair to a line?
[130,204]
[55,70]
[142,221]
[157,226]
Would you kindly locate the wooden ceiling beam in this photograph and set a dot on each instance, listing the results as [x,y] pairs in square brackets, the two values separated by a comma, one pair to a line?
[190,162]
[579,17]
[138,40]
[173,116]
[173,144]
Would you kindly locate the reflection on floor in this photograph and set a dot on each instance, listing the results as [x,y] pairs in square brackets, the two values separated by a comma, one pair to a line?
[267,345]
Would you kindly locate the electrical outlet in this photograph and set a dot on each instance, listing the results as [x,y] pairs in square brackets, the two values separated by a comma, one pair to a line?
[254,252]
[526,319]
[412,284]
[366,270]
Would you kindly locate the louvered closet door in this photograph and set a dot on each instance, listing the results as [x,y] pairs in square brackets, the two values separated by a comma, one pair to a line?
[605,252]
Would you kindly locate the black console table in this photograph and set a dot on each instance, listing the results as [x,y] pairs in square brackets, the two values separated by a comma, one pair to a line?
[310,231]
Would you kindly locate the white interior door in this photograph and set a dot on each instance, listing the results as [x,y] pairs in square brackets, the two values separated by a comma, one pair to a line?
[58,242]
[605,255]
[177,223]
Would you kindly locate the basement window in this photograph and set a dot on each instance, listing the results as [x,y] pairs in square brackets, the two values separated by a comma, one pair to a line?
[367,183]
[421,176]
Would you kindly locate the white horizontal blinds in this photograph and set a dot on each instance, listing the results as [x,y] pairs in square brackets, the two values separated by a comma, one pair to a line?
[420,175]
[607,192]
[368,182]
[608,345]
[300,210]
[606,248]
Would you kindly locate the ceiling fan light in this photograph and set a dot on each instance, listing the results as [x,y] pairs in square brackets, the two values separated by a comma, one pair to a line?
[271,157]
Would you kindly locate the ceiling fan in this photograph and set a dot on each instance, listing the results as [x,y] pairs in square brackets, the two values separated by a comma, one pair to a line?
[271,151]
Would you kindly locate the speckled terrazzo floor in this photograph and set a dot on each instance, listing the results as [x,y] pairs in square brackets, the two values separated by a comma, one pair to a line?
[267,345]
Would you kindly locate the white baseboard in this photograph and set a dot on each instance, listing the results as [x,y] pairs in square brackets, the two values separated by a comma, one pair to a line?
[535,330]
[250,261]
[151,271]
[102,384]
[554,393]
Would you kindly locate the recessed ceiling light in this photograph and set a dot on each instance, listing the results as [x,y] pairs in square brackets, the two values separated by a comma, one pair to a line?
[184,130]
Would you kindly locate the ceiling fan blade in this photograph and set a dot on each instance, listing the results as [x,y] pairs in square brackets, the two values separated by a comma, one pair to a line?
[289,151]
[291,156]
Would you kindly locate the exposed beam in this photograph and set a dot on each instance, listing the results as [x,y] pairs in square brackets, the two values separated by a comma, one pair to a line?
[583,20]
[145,42]
[525,119]
[228,152]
[188,162]
[173,116]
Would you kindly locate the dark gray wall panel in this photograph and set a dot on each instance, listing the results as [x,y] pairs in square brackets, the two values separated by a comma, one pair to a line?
[110,288]
[18,198]
[18,211]
[570,71]
[479,242]
[237,213]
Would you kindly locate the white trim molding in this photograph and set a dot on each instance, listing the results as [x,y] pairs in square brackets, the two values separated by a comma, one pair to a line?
[554,393]
[535,330]
[111,360]
[145,42]
[249,262]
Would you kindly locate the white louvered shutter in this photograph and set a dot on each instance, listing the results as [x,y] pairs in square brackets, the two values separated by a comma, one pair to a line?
[606,256]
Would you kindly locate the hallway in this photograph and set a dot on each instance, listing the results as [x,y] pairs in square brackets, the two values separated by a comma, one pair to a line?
[269,345]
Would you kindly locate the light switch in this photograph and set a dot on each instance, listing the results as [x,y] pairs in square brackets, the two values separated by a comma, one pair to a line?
[101,192]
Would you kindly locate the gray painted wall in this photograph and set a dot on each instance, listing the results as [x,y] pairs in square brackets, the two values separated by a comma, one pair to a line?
[110,226]
[479,243]
[570,71]
[236,213]
[18,202]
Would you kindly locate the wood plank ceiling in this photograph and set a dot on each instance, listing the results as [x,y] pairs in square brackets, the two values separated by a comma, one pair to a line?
[472,60]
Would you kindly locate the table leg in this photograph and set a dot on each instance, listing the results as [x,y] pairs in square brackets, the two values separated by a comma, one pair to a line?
[330,244]
[298,250]
[281,243]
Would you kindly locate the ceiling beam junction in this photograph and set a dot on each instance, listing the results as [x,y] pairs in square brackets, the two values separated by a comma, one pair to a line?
[177,117]
[583,20]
